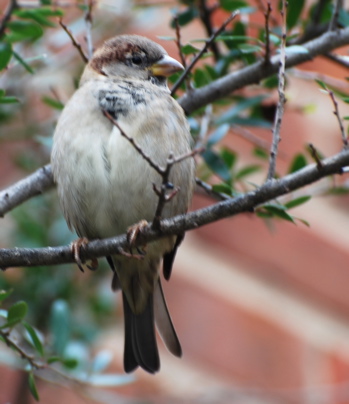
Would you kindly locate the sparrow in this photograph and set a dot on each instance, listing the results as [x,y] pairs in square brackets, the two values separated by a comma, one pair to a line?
[105,186]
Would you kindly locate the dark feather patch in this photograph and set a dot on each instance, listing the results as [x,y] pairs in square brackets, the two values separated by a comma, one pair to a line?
[140,340]
[169,258]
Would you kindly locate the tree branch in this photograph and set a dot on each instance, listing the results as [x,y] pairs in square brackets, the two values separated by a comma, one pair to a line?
[282,99]
[11,8]
[35,184]
[258,71]
[13,257]
[203,50]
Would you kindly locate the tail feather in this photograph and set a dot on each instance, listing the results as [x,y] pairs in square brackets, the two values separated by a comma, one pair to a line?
[164,323]
[140,340]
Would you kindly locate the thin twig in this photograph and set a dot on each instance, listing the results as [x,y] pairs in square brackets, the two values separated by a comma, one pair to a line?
[334,20]
[74,41]
[315,155]
[179,41]
[336,113]
[162,192]
[339,59]
[203,50]
[263,9]
[209,190]
[267,34]
[88,20]
[205,15]
[11,8]
[11,343]
[250,137]
[281,103]
[146,157]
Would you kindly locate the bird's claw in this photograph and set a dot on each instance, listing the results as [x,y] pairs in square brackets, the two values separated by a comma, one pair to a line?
[75,248]
[132,234]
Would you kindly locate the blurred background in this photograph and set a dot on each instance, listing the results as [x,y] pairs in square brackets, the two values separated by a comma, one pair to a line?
[261,306]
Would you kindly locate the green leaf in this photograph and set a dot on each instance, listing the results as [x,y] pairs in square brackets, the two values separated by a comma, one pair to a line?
[296,50]
[108,380]
[9,100]
[245,171]
[305,222]
[298,163]
[23,30]
[294,10]
[216,164]
[261,153]
[186,16]
[34,338]
[70,363]
[247,48]
[60,325]
[40,15]
[297,201]
[51,102]
[4,294]
[53,359]
[271,82]
[229,157]
[200,78]
[321,84]
[231,5]
[278,211]
[102,360]
[223,189]
[240,106]
[32,386]
[17,311]
[166,38]
[5,54]
[218,134]
[189,49]
[23,63]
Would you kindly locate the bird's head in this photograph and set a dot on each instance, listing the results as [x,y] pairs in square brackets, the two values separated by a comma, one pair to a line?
[132,57]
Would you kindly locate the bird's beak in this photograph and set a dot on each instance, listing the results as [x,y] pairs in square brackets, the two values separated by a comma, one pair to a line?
[165,67]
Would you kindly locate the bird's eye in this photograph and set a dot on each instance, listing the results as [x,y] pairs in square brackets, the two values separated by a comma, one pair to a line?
[136,60]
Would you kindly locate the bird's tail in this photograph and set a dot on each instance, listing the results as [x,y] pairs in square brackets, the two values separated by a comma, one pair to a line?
[140,339]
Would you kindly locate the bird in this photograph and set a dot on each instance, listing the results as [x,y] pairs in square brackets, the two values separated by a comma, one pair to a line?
[106,187]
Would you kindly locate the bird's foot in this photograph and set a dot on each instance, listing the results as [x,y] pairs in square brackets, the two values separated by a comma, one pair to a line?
[75,249]
[133,233]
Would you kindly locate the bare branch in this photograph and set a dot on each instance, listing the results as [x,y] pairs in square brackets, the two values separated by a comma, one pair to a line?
[166,186]
[245,203]
[13,344]
[258,71]
[315,155]
[203,50]
[281,103]
[11,8]
[74,41]
[205,15]
[336,113]
[146,157]
[334,20]
[339,59]
[88,20]
[209,190]
[35,184]
[179,41]
[267,34]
